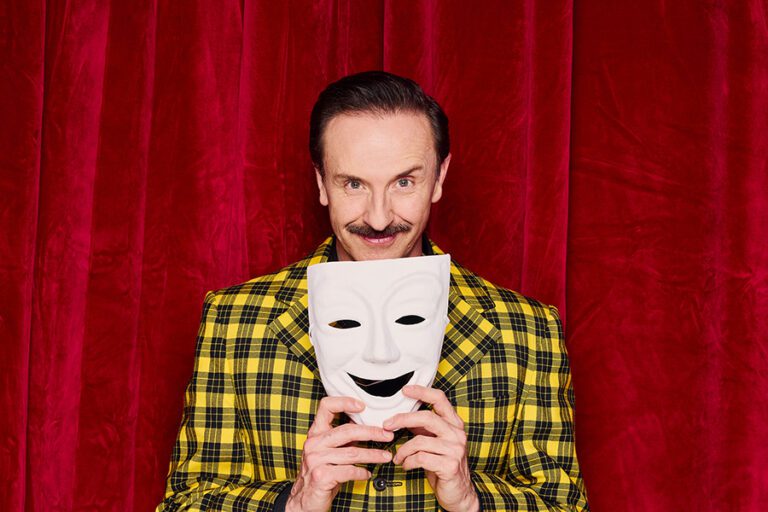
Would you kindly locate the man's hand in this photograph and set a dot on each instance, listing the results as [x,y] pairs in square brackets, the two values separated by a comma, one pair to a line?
[330,456]
[440,448]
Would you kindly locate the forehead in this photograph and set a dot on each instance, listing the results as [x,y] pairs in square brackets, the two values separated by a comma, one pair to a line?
[354,143]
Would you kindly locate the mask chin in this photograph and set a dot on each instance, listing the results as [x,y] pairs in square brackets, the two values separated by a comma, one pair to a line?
[383,388]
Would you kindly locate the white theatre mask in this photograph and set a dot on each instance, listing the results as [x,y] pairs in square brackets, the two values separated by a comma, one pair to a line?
[377,326]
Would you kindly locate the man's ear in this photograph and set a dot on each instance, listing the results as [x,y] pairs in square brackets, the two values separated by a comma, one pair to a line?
[321,187]
[437,192]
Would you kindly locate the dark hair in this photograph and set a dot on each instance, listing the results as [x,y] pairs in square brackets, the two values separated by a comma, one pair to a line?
[377,92]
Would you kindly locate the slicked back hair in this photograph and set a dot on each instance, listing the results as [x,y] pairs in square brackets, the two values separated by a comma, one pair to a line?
[379,93]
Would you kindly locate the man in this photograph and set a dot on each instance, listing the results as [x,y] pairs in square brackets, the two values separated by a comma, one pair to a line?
[496,431]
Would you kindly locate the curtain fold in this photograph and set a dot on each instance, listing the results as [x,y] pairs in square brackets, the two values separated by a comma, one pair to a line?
[609,158]
[74,70]
[667,255]
[502,71]
[21,100]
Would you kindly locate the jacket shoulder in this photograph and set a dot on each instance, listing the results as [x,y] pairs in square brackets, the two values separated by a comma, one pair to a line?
[507,309]
[284,286]
[490,297]
[511,300]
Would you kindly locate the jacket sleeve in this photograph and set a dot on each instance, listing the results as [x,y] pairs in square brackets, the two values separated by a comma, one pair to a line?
[211,466]
[543,472]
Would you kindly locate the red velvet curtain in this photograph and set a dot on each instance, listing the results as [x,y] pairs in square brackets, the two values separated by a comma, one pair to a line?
[609,157]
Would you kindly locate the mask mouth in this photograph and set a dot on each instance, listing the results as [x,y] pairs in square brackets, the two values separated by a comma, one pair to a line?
[383,387]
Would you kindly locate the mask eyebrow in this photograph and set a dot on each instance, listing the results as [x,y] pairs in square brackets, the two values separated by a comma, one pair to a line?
[419,288]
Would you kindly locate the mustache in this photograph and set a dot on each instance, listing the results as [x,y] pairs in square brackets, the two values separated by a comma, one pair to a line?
[368,232]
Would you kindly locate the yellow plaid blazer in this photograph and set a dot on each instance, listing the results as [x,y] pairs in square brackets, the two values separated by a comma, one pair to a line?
[256,387]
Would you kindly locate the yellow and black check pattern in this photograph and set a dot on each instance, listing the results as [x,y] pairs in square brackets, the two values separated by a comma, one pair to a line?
[256,387]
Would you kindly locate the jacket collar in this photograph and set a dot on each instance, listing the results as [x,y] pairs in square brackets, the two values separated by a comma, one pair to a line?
[468,337]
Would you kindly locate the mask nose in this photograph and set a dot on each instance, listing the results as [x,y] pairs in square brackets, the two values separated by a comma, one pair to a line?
[381,349]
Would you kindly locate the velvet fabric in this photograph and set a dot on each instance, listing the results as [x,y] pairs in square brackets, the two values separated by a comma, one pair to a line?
[610,158]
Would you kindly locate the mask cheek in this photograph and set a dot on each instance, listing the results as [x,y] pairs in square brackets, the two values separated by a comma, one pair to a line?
[421,347]
[336,351]
[339,383]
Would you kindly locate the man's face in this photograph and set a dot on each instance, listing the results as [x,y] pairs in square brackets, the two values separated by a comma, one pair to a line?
[380,181]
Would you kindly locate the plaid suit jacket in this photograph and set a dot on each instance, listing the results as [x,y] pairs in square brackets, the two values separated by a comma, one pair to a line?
[256,387]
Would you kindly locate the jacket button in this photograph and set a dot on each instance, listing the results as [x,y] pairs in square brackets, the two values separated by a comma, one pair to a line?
[379,483]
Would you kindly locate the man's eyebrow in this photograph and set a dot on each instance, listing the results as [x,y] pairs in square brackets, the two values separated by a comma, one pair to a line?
[347,177]
[351,177]
[409,171]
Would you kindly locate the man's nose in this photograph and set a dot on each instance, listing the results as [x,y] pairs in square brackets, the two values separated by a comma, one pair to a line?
[379,214]
[381,349]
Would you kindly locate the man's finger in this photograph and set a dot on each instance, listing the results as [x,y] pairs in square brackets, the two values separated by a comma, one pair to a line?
[440,403]
[438,464]
[341,474]
[426,444]
[427,420]
[352,432]
[329,407]
[351,455]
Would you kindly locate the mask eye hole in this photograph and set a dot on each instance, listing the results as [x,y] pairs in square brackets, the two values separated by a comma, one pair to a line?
[410,320]
[344,324]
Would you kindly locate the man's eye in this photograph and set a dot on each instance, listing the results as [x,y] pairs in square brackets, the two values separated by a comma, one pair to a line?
[404,182]
[353,184]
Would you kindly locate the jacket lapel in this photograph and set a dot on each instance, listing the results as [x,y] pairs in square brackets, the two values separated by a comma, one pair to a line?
[292,325]
[292,328]
[468,337]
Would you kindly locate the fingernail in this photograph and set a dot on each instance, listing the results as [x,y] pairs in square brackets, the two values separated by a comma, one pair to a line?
[386,455]
[387,423]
